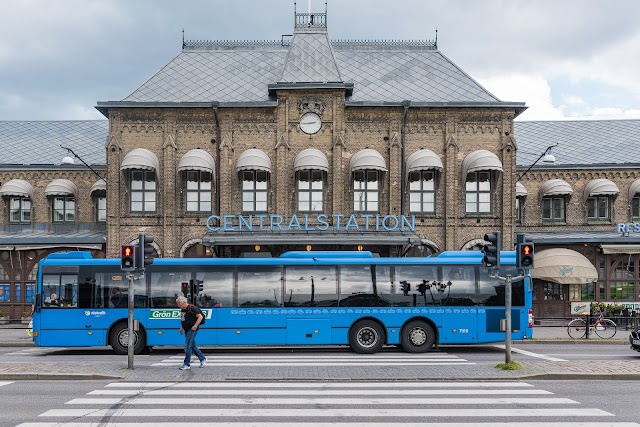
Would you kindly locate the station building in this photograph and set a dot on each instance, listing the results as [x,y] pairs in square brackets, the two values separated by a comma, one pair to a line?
[307,143]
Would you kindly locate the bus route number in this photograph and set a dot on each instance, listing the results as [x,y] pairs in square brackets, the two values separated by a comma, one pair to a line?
[464,330]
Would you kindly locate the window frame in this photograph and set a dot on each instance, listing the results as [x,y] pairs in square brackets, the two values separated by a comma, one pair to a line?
[478,192]
[143,191]
[635,206]
[66,199]
[422,192]
[99,209]
[254,191]
[519,209]
[595,200]
[310,191]
[551,199]
[366,191]
[199,191]
[21,210]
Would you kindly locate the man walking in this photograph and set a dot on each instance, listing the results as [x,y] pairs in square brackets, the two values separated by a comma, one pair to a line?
[190,320]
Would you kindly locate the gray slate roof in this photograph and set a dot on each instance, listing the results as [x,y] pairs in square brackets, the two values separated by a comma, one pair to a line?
[590,143]
[580,143]
[38,143]
[240,72]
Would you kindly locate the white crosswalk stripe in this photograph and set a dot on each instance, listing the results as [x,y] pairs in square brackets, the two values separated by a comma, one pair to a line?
[5,383]
[346,359]
[324,404]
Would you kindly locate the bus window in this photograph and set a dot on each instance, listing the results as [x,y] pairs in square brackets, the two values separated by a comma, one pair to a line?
[166,286]
[111,290]
[60,290]
[259,286]
[422,279]
[217,288]
[462,290]
[311,287]
[491,292]
[357,288]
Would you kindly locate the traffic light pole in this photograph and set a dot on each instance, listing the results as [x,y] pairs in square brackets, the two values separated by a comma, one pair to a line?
[130,321]
[130,343]
[508,281]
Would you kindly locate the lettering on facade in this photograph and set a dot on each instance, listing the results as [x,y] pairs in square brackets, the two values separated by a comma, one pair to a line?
[632,227]
[319,222]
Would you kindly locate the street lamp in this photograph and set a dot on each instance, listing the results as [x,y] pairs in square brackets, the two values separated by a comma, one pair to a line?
[68,160]
[546,157]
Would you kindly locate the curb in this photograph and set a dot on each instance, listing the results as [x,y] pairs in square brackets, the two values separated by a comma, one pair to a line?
[53,376]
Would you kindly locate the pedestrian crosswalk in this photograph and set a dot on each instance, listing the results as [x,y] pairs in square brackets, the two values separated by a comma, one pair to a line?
[320,404]
[337,359]
[5,383]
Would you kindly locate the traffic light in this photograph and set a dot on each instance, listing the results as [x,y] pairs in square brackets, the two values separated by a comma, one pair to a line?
[524,251]
[492,250]
[145,251]
[128,257]
[199,286]
[405,287]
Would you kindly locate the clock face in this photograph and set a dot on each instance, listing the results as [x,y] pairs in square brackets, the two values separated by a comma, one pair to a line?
[310,123]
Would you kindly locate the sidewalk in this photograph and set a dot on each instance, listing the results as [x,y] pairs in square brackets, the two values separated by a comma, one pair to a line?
[144,371]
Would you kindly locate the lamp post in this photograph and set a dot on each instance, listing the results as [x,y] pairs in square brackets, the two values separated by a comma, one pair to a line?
[546,157]
[67,160]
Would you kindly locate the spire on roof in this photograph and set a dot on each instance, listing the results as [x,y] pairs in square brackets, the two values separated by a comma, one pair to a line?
[310,58]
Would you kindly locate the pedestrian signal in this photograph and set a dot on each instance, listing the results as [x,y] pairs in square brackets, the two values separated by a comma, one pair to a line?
[525,251]
[128,257]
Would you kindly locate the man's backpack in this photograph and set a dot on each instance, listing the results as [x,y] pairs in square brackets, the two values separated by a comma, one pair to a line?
[196,310]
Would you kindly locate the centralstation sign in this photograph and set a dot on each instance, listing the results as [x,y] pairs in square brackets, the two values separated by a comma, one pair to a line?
[337,223]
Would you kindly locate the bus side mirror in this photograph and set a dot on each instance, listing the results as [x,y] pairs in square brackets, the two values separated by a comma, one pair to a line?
[37,303]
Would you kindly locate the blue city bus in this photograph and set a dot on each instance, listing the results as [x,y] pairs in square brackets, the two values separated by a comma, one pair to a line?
[297,299]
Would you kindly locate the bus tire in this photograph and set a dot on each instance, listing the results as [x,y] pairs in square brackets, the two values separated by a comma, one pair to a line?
[366,337]
[119,338]
[417,337]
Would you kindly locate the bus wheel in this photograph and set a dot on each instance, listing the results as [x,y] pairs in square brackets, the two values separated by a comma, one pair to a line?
[417,337]
[119,339]
[366,337]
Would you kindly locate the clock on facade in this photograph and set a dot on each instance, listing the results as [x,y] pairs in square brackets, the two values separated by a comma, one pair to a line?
[310,123]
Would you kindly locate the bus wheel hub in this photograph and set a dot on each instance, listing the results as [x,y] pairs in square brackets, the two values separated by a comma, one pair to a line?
[418,336]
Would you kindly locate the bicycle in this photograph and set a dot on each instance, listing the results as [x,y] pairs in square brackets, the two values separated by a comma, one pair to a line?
[604,328]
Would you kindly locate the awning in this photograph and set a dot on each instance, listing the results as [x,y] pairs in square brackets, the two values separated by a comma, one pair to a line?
[480,160]
[61,187]
[555,187]
[17,187]
[197,160]
[423,160]
[367,159]
[253,159]
[140,158]
[564,266]
[380,238]
[634,189]
[620,249]
[99,185]
[600,187]
[521,190]
[311,158]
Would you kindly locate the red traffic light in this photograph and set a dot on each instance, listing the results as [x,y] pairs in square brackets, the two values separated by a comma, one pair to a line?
[526,250]
[128,257]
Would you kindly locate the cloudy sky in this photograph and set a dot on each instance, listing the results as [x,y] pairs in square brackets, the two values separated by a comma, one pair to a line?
[567,59]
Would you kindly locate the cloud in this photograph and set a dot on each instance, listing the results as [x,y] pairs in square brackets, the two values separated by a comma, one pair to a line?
[533,90]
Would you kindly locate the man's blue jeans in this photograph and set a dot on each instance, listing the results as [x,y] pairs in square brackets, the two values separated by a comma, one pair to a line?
[190,345]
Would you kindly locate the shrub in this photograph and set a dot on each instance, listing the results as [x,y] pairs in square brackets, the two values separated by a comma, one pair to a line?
[2,314]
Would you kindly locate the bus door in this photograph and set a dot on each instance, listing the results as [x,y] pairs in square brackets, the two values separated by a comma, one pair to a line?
[65,316]
[456,299]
